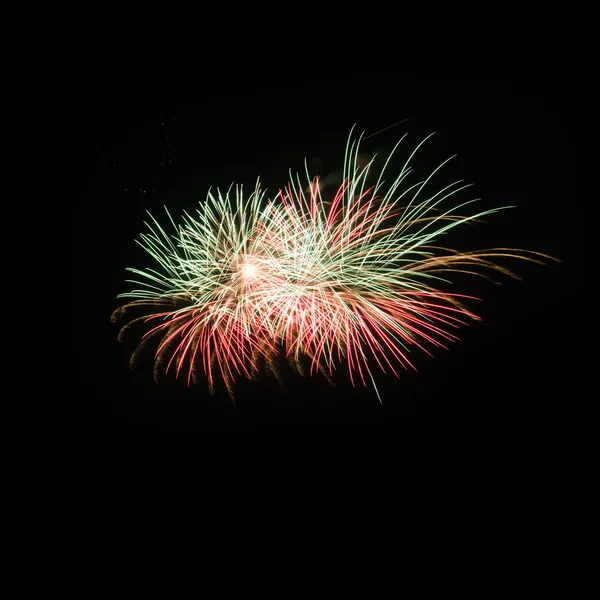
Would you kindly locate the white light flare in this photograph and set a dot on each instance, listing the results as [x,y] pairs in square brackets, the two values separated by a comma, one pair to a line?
[249,271]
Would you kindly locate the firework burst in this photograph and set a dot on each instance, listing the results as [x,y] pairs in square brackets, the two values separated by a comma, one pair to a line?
[352,280]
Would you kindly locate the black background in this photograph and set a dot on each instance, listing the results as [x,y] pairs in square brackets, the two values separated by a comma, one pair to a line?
[143,140]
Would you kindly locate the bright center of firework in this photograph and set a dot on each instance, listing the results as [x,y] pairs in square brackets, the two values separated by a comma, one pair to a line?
[249,270]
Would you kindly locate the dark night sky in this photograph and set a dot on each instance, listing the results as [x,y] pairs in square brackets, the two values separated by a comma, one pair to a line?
[509,122]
